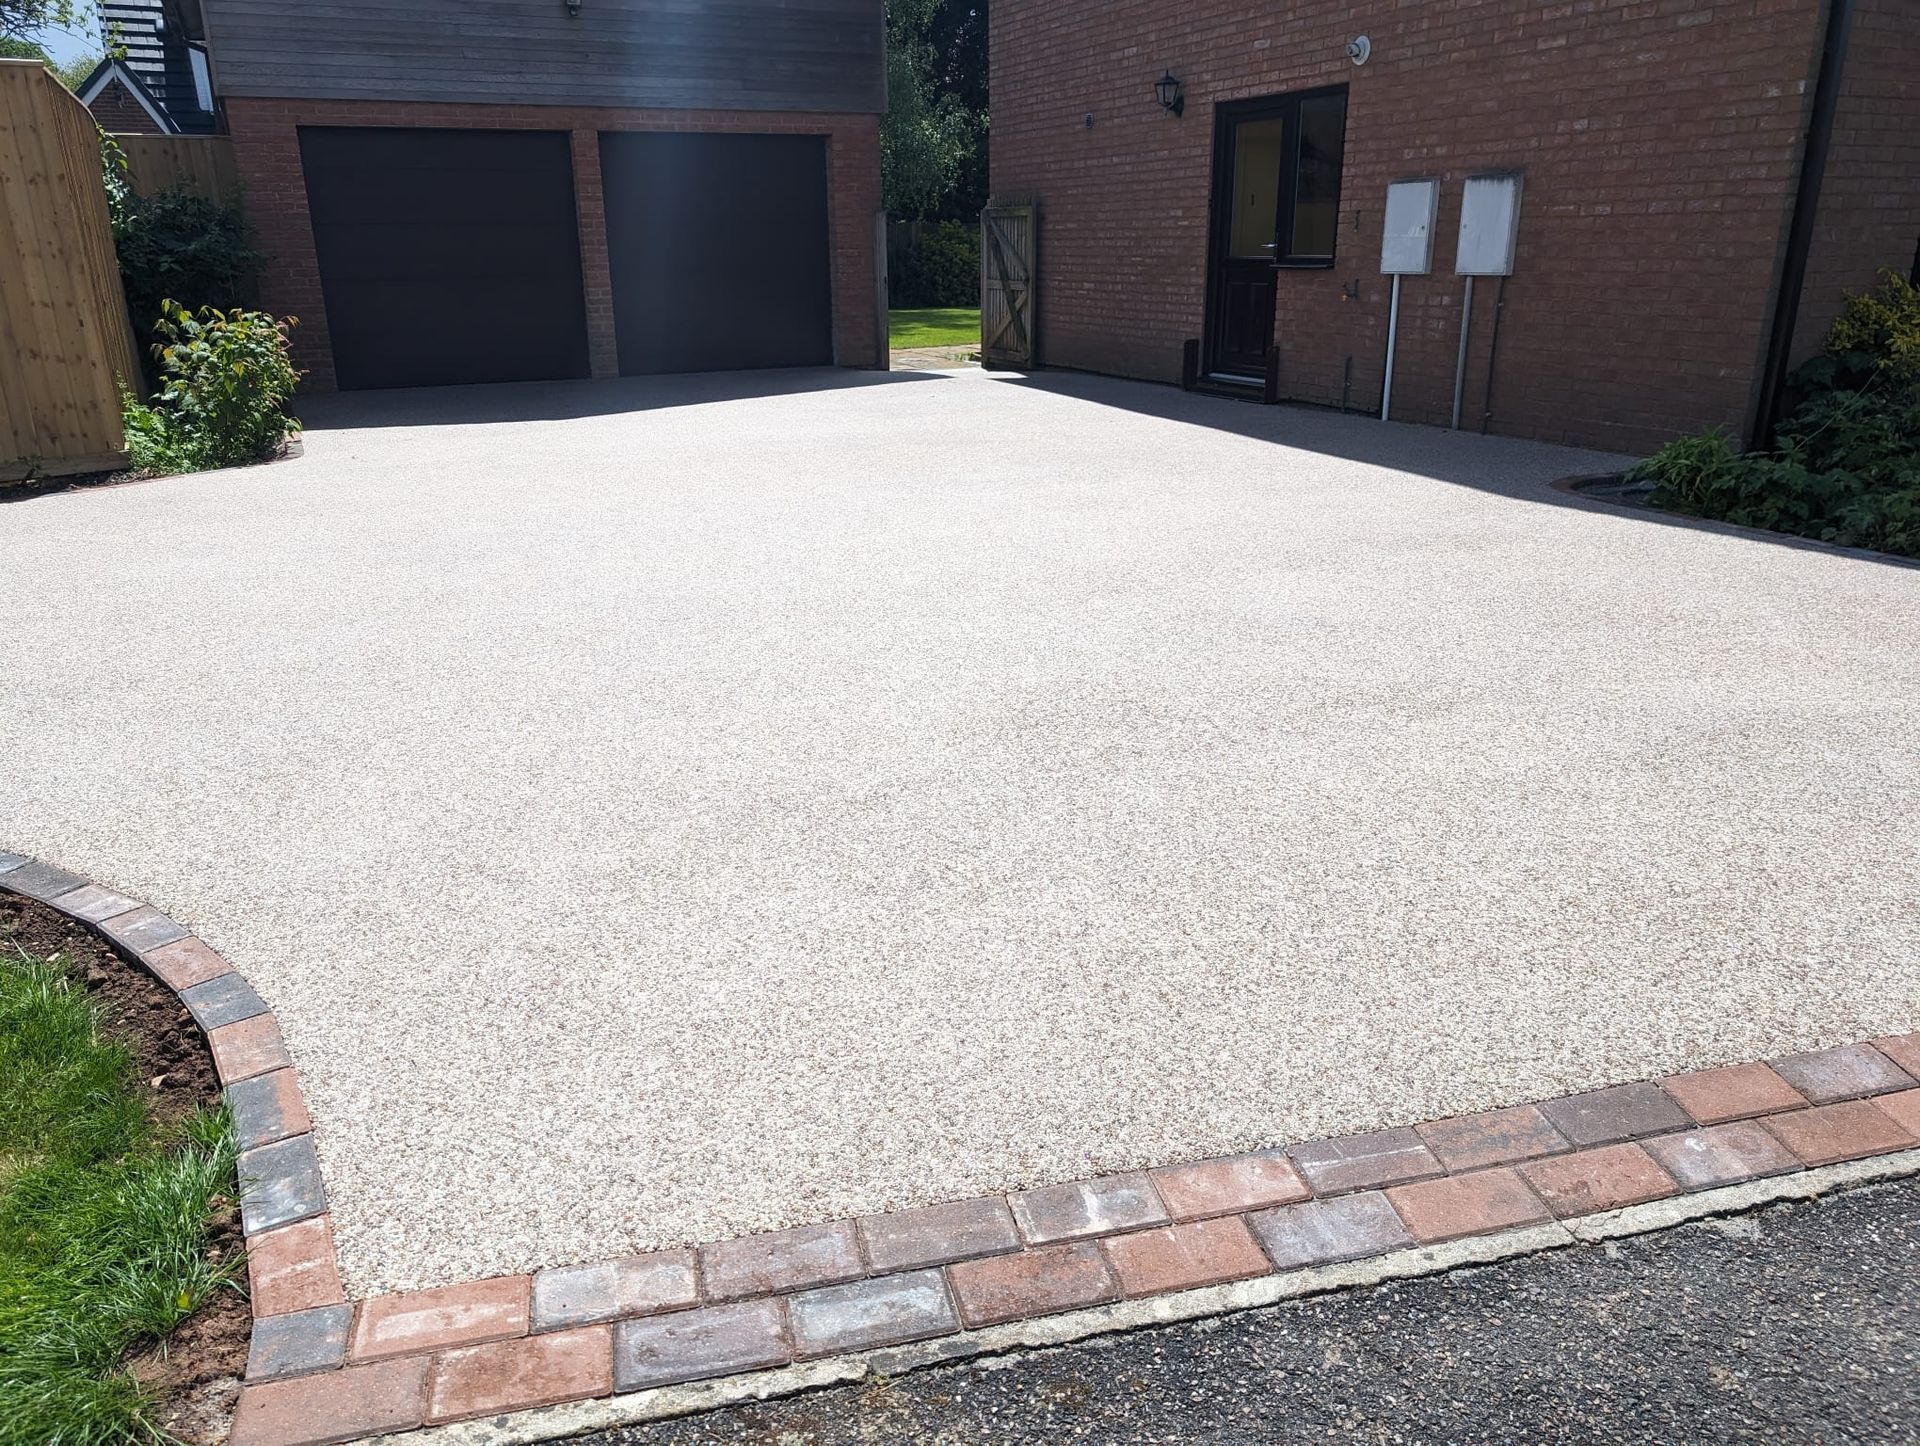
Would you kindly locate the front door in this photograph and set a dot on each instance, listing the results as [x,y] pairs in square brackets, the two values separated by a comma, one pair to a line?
[1249,155]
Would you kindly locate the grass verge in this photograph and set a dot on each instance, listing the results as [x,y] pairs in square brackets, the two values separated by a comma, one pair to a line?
[105,1217]
[937,326]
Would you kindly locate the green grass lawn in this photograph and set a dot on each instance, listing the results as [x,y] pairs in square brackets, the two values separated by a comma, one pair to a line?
[104,1216]
[937,326]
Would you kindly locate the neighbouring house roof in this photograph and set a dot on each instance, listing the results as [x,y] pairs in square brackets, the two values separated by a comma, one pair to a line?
[157,41]
[110,70]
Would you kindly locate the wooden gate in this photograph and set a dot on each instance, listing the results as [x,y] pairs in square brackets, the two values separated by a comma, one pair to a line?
[1007,236]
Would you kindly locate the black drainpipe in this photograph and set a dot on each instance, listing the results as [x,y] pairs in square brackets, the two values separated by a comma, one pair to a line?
[1806,208]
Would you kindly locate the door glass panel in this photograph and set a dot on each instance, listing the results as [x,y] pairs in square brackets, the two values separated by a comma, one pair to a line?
[1316,195]
[1257,159]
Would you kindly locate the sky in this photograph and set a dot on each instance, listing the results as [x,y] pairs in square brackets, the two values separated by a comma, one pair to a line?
[65,45]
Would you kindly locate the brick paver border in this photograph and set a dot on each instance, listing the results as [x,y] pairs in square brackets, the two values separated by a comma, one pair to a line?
[323,1369]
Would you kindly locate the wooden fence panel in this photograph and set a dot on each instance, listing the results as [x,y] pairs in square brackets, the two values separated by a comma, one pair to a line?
[201,165]
[64,316]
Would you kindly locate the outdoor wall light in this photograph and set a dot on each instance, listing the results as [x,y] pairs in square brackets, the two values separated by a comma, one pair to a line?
[573,8]
[1168,92]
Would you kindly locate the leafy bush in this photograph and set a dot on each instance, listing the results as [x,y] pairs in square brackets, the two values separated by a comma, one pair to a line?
[1692,473]
[1883,325]
[180,247]
[1846,462]
[942,268]
[224,377]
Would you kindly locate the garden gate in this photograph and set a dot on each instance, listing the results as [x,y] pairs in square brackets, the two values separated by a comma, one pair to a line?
[1007,235]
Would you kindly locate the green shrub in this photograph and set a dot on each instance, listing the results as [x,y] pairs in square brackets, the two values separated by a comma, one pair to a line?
[942,268]
[1691,472]
[182,247]
[1883,324]
[224,378]
[1846,461]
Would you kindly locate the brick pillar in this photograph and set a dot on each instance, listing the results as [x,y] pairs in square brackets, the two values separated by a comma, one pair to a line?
[853,191]
[603,350]
[273,194]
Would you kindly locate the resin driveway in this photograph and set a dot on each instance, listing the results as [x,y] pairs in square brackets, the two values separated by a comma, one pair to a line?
[664,810]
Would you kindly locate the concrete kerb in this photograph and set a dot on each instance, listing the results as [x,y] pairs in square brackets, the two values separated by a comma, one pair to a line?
[1609,490]
[668,1402]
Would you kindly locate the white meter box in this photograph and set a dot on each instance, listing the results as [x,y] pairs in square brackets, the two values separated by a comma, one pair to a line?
[1406,242]
[1489,220]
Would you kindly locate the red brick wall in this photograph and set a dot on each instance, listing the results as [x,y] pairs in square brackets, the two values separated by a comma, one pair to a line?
[118,113]
[267,154]
[1659,142]
[1869,214]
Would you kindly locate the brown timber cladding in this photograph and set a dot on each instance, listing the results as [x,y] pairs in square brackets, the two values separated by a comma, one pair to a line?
[776,55]
[64,316]
[1660,142]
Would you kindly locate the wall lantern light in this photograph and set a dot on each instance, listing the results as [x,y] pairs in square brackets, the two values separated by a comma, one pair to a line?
[1167,91]
[573,8]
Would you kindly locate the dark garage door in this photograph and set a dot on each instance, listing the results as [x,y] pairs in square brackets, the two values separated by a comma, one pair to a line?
[718,246]
[447,256]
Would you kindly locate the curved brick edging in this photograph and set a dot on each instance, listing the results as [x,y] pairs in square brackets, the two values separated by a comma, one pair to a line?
[293,1279]
[324,1370]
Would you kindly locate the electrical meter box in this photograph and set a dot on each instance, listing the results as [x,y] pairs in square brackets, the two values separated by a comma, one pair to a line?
[1489,220]
[1406,242]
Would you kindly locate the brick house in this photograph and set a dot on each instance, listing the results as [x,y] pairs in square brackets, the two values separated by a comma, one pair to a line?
[155,79]
[559,188]
[1659,147]
[121,104]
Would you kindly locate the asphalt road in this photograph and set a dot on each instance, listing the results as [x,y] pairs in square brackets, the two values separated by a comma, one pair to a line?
[1797,1323]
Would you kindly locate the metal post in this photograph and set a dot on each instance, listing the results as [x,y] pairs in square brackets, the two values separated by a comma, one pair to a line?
[1393,331]
[1460,366]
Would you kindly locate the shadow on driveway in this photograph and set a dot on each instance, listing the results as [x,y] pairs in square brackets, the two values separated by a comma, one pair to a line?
[1466,459]
[562,401]
[1505,466]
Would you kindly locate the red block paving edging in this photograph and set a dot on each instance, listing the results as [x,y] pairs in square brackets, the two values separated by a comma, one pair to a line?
[323,1369]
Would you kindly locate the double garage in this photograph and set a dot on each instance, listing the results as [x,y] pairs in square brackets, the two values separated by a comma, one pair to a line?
[452,256]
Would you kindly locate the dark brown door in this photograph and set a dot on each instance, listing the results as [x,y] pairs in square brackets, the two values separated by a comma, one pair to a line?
[1249,157]
[718,247]
[447,256]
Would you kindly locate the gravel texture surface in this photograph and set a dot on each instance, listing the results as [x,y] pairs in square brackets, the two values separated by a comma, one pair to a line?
[662,810]
[1800,1323]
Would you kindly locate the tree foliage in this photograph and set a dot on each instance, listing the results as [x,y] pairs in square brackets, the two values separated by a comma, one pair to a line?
[24,19]
[933,140]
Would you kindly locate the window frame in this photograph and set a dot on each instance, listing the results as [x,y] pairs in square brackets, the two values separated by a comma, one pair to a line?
[1284,256]
[1287,108]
